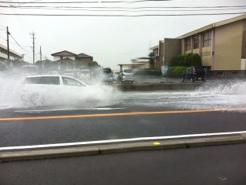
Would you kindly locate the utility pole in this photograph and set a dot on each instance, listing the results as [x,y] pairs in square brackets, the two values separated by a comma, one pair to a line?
[41,53]
[33,43]
[8,41]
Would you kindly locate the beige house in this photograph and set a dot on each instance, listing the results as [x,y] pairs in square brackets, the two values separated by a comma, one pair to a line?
[221,45]
[69,60]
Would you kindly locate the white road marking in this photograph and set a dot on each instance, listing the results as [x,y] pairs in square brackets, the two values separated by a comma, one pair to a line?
[72,109]
[74,144]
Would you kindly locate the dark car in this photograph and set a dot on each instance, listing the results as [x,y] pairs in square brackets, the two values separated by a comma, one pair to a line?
[106,75]
[194,73]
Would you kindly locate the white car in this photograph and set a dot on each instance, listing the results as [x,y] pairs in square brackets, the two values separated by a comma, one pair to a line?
[116,75]
[58,89]
[126,75]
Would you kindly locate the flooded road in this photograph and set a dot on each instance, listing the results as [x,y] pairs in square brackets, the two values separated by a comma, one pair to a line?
[119,115]
[210,95]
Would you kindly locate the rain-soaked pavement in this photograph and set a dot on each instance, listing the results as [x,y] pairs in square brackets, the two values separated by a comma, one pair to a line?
[118,115]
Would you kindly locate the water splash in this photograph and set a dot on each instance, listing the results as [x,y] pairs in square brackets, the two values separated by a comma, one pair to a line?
[211,95]
[14,94]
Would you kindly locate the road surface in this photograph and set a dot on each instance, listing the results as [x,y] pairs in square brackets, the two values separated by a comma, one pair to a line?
[202,165]
[125,115]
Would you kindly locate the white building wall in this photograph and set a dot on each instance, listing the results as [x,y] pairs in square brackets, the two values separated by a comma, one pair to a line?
[12,54]
[243,64]
[5,56]
[56,58]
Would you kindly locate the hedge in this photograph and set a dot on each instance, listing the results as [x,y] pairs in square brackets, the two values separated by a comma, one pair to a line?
[175,71]
[188,59]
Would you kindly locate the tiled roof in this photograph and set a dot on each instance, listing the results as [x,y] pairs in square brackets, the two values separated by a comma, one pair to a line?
[82,55]
[64,53]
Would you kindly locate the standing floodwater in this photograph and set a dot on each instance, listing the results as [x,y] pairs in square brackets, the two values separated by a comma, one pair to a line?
[209,95]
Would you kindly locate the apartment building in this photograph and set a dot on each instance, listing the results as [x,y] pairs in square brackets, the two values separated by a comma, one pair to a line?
[12,54]
[221,45]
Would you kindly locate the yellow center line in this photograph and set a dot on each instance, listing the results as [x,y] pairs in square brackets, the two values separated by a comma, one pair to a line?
[119,114]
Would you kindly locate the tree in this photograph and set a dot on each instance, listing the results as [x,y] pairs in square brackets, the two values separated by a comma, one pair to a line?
[188,59]
[93,64]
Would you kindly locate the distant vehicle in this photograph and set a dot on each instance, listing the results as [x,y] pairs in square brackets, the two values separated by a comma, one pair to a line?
[116,75]
[126,75]
[106,75]
[56,89]
[29,69]
[72,72]
[194,73]
[53,72]
[85,75]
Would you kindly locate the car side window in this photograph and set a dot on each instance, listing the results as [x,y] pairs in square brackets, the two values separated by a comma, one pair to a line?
[47,80]
[32,80]
[52,80]
[71,82]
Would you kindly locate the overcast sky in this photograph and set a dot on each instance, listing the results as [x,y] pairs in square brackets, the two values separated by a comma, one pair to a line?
[110,40]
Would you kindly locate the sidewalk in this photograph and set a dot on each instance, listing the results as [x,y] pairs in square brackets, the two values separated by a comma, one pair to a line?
[154,80]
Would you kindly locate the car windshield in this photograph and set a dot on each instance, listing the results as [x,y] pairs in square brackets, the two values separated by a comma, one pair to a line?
[107,70]
[72,82]
[122,92]
[127,70]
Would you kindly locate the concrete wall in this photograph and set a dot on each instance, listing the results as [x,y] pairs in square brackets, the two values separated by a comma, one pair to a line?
[172,47]
[228,46]
[206,56]
[161,53]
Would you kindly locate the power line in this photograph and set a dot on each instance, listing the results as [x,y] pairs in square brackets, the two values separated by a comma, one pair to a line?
[113,7]
[123,15]
[17,42]
[19,18]
[84,2]
[124,9]
[3,27]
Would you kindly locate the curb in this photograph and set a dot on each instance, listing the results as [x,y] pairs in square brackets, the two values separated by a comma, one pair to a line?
[158,86]
[119,146]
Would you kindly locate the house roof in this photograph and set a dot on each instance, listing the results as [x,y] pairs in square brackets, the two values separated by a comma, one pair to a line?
[213,25]
[64,53]
[82,55]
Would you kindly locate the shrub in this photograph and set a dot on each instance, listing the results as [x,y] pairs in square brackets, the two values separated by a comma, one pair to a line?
[188,59]
[150,71]
[175,71]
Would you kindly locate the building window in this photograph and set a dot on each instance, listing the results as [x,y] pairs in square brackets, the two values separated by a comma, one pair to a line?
[188,44]
[206,39]
[195,40]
